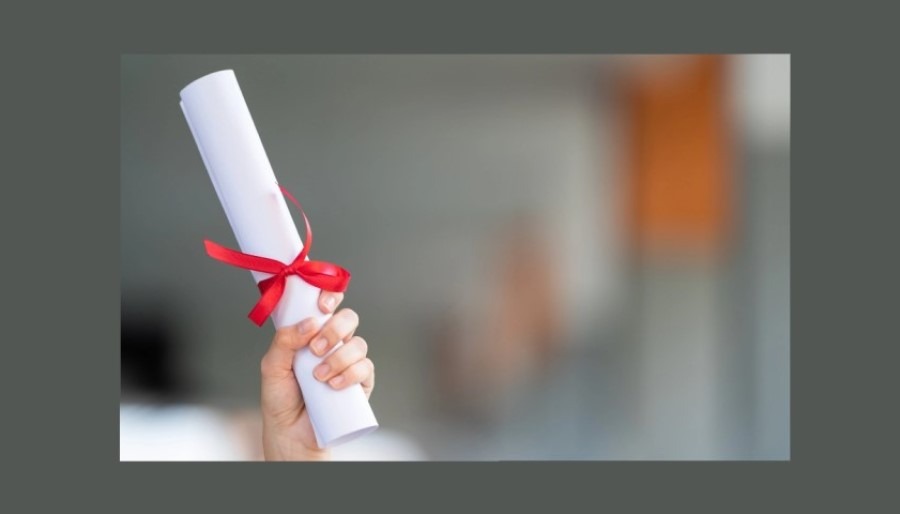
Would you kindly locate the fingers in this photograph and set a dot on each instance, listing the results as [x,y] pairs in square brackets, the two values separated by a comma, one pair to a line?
[347,365]
[368,383]
[328,301]
[340,327]
[278,360]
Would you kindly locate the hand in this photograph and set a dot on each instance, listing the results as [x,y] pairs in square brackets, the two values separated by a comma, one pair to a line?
[287,431]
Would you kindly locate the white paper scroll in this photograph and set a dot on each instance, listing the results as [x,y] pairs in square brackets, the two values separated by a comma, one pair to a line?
[245,183]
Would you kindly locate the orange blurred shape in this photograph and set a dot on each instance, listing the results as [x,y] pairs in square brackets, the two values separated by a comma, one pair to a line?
[679,154]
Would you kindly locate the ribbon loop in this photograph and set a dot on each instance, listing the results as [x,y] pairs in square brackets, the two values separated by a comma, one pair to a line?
[321,274]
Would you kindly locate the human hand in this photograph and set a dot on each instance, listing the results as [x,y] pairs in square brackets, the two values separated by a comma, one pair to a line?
[287,431]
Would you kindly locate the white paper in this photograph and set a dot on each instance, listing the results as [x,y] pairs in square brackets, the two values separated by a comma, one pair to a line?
[245,183]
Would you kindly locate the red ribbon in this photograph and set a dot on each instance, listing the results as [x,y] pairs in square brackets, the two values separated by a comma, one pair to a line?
[323,275]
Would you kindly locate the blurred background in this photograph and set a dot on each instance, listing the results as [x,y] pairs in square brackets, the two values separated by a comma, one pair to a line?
[553,257]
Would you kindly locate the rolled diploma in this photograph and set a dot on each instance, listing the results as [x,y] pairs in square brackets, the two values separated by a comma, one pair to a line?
[242,176]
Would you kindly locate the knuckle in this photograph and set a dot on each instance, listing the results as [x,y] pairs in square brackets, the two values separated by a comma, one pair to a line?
[350,316]
[338,360]
[355,374]
[330,332]
[283,338]
[266,367]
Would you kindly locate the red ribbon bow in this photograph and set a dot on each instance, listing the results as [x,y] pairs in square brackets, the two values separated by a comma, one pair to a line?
[323,275]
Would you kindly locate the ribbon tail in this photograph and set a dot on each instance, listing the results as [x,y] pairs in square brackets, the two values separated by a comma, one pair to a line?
[272,290]
[308,238]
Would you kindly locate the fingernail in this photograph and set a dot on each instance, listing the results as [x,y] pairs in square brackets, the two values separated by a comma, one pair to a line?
[322,371]
[329,302]
[306,325]
[336,381]
[318,345]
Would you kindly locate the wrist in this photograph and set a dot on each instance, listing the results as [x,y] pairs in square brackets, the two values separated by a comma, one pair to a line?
[284,448]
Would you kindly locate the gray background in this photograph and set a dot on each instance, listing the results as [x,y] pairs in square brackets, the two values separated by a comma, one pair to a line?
[837,458]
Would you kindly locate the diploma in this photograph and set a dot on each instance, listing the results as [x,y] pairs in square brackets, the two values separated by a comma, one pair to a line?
[242,176]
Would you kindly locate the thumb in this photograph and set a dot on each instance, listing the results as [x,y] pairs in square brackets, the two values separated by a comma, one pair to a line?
[279,359]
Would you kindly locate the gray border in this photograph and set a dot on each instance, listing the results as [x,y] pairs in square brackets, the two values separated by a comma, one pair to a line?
[61,131]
